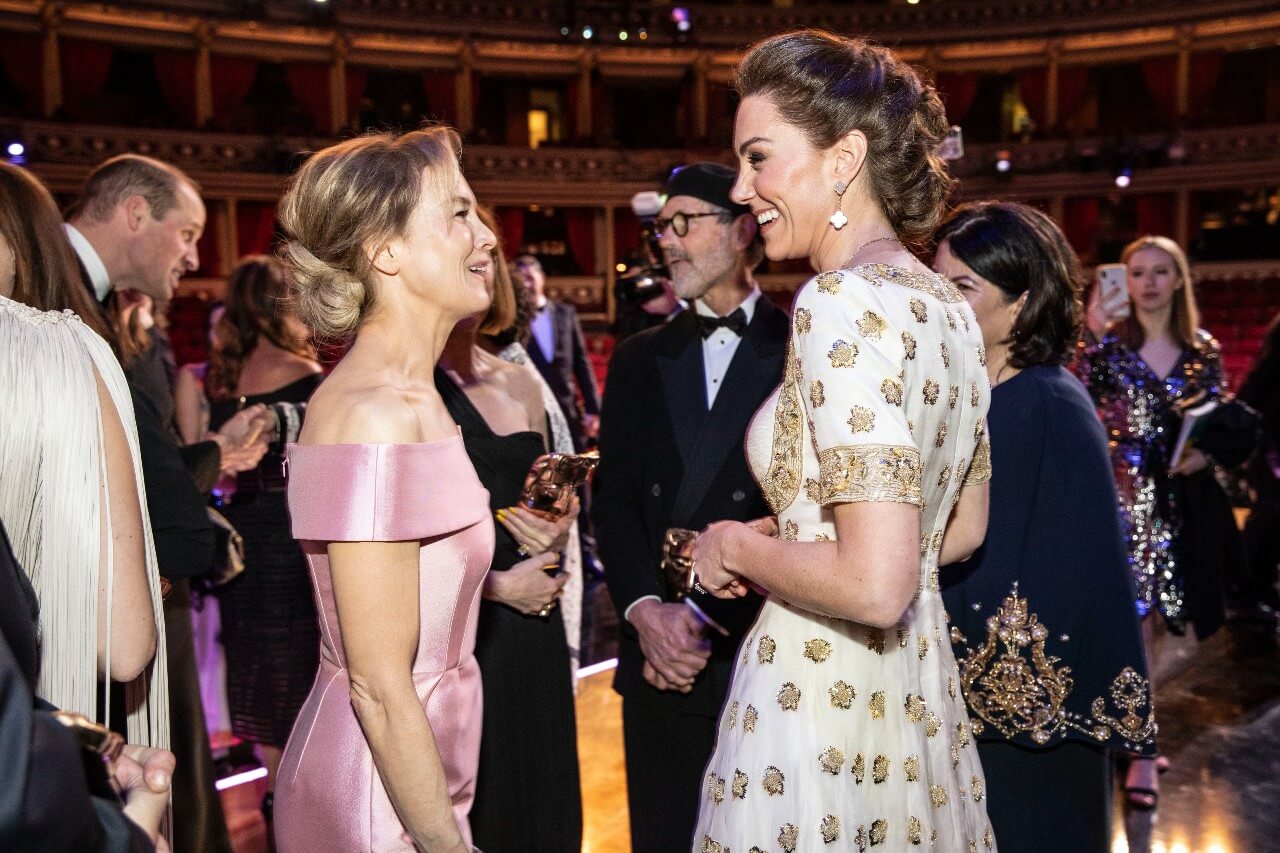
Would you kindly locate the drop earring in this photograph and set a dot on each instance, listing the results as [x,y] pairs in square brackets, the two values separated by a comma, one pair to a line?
[838,220]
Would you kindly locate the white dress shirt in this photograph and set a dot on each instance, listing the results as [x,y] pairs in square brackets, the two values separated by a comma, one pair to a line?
[92,261]
[718,350]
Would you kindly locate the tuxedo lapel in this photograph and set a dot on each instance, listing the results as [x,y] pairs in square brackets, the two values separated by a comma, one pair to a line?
[683,379]
[754,372]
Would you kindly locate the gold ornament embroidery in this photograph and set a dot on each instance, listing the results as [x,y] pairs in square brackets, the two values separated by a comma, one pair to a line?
[817,394]
[892,391]
[919,311]
[766,648]
[782,481]
[773,782]
[871,325]
[975,395]
[832,760]
[860,838]
[789,697]
[877,705]
[788,836]
[870,472]
[937,286]
[914,830]
[1130,693]
[932,724]
[944,476]
[830,829]
[875,640]
[942,435]
[922,646]
[946,353]
[915,708]
[821,537]
[879,831]
[931,391]
[715,788]
[733,714]
[953,396]
[982,356]
[739,785]
[912,768]
[710,846]
[975,784]
[749,718]
[938,796]
[842,695]
[951,321]
[813,490]
[804,320]
[843,354]
[790,531]
[909,344]
[880,769]
[980,468]
[817,650]
[829,282]
[861,419]
[859,768]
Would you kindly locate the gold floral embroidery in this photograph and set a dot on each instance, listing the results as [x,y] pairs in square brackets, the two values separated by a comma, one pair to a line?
[944,476]
[861,419]
[879,831]
[980,469]
[974,394]
[710,846]
[914,830]
[892,391]
[843,354]
[946,354]
[830,829]
[919,311]
[1130,693]
[979,428]
[715,788]
[782,481]
[875,640]
[817,650]
[915,708]
[773,781]
[813,490]
[821,537]
[766,648]
[860,838]
[903,633]
[790,531]
[831,759]
[842,695]
[951,688]
[938,796]
[942,435]
[829,282]
[870,472]
[733,714]
[955,756]
[909,344]
[871,325]
[788,836]
[932,724]
[987,840]
[922,646]
[880,769]
[951,321]
[975,784]
[789,697]
[931,390]
[982,356]
[739,785]
[804,320]
[817,394]
[877,705]
[924,282]
[749,718]
[953,396]
[859,768]
[962,733]
[912,767]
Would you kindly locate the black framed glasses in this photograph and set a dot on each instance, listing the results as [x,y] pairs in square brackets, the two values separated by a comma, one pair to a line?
[679,222]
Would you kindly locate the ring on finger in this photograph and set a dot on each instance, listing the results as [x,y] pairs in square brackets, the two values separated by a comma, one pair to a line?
[523,550]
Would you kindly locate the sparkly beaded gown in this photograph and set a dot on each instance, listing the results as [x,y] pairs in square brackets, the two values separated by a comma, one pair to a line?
[837,735]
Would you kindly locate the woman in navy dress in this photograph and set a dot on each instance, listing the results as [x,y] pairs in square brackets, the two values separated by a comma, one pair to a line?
[1042,618]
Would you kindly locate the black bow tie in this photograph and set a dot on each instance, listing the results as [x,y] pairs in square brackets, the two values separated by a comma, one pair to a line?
[735,322]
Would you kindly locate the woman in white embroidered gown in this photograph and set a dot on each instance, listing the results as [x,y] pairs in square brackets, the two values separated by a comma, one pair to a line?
[844,722]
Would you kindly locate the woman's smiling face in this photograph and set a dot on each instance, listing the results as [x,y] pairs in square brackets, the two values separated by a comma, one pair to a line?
[783,179]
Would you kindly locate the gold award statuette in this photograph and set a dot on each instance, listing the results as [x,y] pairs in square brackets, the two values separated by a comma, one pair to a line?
[677,563]
[552,481]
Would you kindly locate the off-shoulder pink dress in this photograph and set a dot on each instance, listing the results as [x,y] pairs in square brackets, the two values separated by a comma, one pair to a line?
[329,795]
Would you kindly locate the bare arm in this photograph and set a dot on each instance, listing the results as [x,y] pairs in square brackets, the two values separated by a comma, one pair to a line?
[870,574]
[191,409]
[967,527]
[133,639]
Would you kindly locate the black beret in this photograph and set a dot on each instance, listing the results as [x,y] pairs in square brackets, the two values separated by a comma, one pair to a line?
[711,182]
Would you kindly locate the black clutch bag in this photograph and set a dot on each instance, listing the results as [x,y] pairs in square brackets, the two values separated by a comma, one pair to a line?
[1232,432]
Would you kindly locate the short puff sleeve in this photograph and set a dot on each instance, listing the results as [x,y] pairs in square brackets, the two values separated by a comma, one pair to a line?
[383,492]
[852,359]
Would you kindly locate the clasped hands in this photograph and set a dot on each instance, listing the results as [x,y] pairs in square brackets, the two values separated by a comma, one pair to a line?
[142,776]
[243,439]
[709,568]
[526,587]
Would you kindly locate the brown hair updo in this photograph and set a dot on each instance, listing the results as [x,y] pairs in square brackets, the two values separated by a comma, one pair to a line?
[828,86]
[344,202]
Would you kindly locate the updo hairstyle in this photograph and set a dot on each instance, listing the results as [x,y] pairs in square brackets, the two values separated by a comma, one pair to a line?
[346,201]
[1021,250]
[828,86]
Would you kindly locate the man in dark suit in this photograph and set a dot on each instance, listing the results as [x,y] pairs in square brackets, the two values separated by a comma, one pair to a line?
[677,404]
[557,349]
[135,227]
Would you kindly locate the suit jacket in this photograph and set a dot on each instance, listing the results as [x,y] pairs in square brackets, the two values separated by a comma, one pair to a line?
[45,803]
[184,537]
[568,362]
[665,461]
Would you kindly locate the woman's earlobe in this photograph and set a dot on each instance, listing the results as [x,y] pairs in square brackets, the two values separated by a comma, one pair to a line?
[384,261]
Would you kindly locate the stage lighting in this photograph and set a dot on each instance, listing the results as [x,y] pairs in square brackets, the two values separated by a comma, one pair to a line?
[588,32]
[1124,177]
[680,17]
[564,31]
[622,35]
[643,34]
[15,149]
[1003,164]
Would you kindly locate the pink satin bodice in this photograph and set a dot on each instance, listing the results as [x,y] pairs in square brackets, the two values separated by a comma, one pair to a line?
[329,795]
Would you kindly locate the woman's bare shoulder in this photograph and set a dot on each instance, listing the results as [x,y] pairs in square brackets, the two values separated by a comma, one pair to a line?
[347,410]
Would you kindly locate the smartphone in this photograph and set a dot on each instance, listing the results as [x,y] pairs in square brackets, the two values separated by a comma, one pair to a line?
[1113,288]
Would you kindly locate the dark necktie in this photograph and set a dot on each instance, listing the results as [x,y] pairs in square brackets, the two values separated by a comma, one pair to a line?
[735,322]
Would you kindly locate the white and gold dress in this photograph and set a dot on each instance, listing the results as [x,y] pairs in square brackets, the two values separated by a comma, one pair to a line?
[836,735]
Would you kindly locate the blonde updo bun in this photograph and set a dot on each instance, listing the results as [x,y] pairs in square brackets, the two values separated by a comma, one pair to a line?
[346,201]
[829,86]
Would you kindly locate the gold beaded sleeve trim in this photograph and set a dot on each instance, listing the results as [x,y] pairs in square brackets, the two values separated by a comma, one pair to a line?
[782,480]
[980,469]
[930,283]
[887,473]
[1013,685]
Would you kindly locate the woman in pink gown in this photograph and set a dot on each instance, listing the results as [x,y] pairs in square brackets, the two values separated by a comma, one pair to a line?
[385,244]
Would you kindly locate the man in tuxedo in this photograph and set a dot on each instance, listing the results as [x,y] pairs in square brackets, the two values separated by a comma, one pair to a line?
[677,404]
[135,227]
[558,351]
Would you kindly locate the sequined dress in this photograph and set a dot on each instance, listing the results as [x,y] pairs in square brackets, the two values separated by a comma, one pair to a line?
[837,735]
[1140,412]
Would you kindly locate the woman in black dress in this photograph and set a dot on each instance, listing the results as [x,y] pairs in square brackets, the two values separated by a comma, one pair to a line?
[269,626]
[1042,618]
[528,798]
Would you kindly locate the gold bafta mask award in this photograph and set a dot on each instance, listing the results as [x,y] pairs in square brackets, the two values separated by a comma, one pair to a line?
[552,481]
[677,563]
